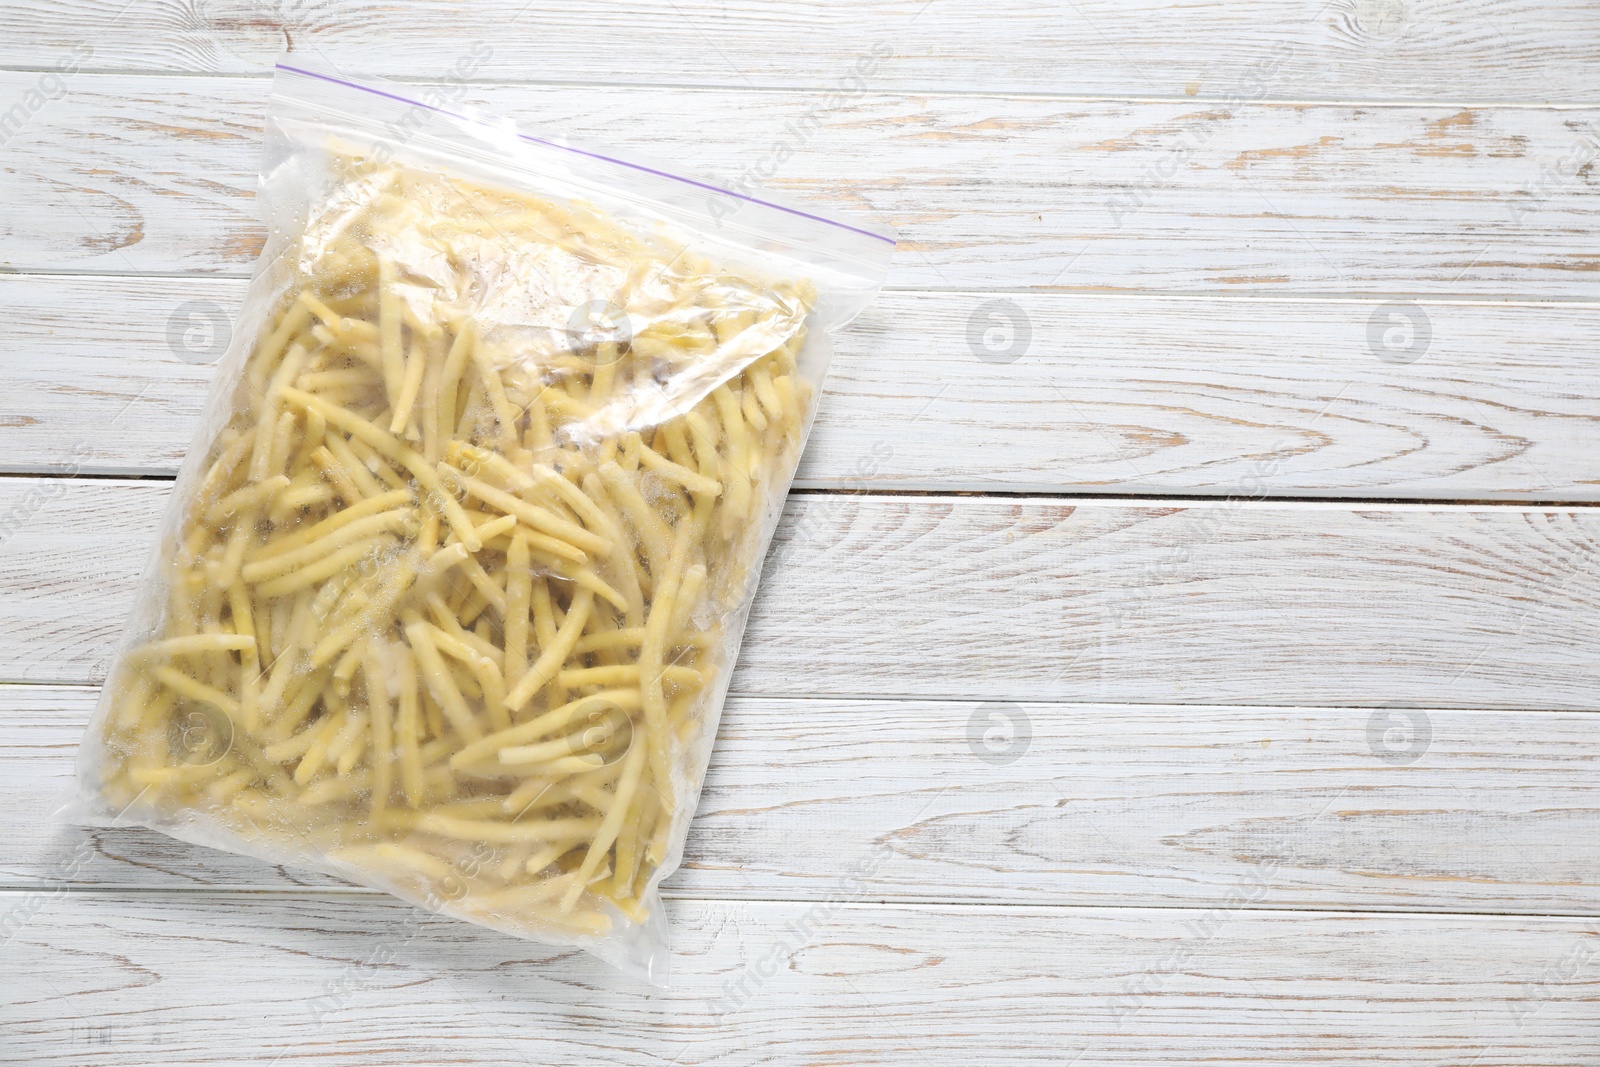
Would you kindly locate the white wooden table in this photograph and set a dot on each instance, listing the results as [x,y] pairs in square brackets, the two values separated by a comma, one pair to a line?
[1181,645]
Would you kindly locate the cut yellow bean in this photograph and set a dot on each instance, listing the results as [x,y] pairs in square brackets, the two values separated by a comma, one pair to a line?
[440,684]
[534,516]
[550,660]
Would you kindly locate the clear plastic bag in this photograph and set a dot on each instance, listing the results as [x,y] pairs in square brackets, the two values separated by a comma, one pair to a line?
[453,578]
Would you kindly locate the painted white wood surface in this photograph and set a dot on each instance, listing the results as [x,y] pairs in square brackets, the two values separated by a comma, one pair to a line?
[1112,393]
[979,802]
[1276,49]
[1259,180]
[198,978]
[980,598]
[157,173]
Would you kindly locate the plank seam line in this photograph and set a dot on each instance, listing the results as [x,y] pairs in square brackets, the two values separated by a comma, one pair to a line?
[878,698]
[1220,296]
[1099,497]
[1058,292]
[88,476]
[909,698]
[916,91]
[1055,293]
[875,904]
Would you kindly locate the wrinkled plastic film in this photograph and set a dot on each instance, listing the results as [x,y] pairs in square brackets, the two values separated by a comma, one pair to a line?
[453,579]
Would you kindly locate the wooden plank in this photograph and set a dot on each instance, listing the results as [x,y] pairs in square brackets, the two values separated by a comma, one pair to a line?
[1232,602]
[190,978]
[1111,393]
[1530,50]
[157,173]
[1026,804]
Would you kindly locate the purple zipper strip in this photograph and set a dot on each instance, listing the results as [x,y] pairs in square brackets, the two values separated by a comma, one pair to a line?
[592,155]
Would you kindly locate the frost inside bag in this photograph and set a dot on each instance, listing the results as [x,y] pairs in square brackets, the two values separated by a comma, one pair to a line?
[454,575]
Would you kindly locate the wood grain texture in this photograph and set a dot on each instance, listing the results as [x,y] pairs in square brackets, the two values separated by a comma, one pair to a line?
[1030,804]
[928,837]
[1233,602]
[1116,394]
[1280,49]
[199,978]
[157,174]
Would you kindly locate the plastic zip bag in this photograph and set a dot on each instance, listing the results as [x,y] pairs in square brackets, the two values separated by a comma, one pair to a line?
[453,578]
